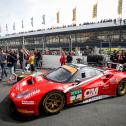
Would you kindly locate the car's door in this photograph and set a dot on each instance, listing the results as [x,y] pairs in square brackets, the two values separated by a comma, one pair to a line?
[89,86]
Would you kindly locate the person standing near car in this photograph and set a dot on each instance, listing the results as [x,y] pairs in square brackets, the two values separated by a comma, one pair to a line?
[10,62]
[69,58]
[63,58]
[31,61]
[38,59]
[121,57]
[3,60]
[114,57]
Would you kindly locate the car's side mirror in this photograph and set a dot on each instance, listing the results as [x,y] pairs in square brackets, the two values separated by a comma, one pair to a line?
[78,80]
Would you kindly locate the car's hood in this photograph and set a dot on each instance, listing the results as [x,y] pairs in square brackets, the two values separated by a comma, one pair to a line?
[40,83]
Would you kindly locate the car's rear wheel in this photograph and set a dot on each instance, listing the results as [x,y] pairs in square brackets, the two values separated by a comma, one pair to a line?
[121,90]
[53,102]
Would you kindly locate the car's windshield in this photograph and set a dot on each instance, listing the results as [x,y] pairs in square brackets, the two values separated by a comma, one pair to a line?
[59,75]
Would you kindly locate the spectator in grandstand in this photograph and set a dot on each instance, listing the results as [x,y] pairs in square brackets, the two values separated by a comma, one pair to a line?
[2,64]
[69,58]
[63,58]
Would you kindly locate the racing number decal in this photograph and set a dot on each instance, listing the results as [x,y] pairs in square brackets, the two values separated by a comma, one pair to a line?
[91,92]
[76,96]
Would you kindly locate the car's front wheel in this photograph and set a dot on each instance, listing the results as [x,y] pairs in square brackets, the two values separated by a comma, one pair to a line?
[53,102]
[121,89]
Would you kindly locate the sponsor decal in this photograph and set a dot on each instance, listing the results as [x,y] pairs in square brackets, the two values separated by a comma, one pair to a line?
[96,98]
[76,96]
[32,93]
[91,92]
[28,102]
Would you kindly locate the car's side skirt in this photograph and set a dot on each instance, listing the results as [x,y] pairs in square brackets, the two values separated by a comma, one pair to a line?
[96,98]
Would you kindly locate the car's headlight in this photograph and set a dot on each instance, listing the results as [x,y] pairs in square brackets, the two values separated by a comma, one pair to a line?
[28,94]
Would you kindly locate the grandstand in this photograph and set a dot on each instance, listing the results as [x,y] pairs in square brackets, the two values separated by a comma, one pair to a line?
[106,33]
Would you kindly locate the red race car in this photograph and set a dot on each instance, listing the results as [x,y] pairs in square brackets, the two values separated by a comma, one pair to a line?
[68,85]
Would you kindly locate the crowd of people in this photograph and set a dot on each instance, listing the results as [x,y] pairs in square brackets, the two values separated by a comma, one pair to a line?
[66,58]
[118,56]
[25,60]
[73,25]
[28,60]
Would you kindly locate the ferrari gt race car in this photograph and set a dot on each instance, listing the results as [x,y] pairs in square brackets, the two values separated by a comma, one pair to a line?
[67,85]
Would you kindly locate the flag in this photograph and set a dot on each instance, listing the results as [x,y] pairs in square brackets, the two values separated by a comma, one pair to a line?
[120,7]
[22,24]
[14,26]
[74,14]
[94,13]
[6,28]
[32,22]
[57,17]
[43,19]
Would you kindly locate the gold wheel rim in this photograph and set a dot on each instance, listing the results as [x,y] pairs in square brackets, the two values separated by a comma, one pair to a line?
[122,87]
[54,102]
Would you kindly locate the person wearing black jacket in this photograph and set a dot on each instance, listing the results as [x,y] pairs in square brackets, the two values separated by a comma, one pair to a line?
[14,54]
[114,57]
[2,64]
[69,58]
[10,62]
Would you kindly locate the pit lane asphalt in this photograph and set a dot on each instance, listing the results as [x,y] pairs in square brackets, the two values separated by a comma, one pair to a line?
[107,112]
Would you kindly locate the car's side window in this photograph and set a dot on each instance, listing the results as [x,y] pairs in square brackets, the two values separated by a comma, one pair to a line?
[97,72]
[87,73]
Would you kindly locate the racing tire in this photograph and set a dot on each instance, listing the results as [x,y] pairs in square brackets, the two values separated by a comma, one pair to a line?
[121,89]
[52,103]
[13,109]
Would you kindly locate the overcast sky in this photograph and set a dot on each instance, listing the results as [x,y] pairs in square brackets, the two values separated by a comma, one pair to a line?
[17,10]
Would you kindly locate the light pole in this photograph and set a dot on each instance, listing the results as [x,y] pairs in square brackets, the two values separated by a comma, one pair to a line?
[120,30]
[23,45]
[70,43]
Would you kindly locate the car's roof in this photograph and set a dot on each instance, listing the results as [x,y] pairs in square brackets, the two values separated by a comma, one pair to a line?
[77,66]
[80,66]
